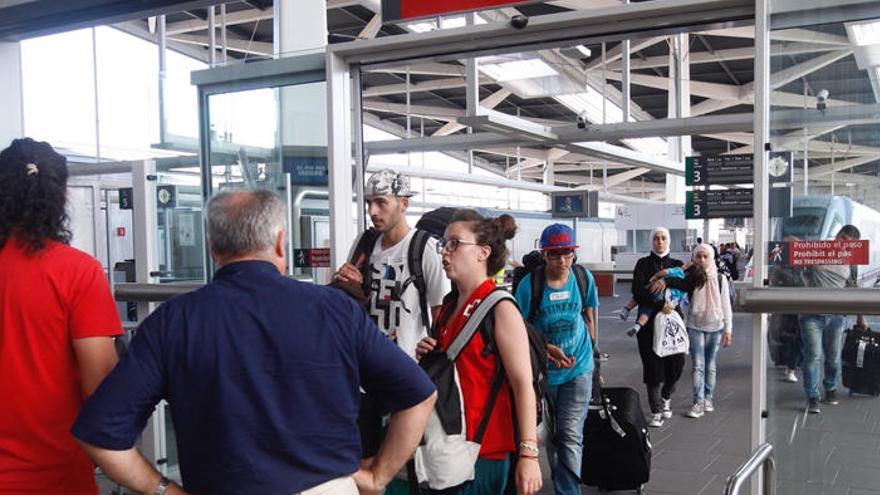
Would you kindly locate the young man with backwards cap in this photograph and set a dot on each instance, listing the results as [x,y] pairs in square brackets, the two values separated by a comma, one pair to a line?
[393,298]
[567,319]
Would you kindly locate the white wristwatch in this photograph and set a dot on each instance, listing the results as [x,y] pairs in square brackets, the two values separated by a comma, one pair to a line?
[162,486]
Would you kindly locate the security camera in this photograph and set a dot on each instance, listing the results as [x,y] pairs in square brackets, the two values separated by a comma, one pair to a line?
[519,21]
[822,100]
[582,120]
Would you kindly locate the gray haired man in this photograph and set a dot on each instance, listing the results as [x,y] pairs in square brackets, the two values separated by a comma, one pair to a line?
[262,375]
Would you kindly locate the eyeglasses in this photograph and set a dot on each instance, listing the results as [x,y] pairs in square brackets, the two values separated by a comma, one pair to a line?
[451,244]
[560,253]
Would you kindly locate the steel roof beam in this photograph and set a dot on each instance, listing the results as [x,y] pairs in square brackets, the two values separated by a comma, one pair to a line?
[232,19]
[236,45]
[729,54]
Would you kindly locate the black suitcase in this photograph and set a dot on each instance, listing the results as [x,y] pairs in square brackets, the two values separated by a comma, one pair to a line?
[617,450]
[861,361]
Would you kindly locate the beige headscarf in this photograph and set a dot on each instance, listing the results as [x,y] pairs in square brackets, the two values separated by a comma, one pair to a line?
[706,308]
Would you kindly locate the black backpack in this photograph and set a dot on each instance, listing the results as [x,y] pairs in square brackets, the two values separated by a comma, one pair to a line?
[432,224]
[531,261]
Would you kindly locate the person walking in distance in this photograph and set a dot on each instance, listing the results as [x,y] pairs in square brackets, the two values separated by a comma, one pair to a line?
[659,374]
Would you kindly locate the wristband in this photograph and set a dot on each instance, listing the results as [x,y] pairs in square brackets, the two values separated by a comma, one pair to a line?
[530,446]
[162,487]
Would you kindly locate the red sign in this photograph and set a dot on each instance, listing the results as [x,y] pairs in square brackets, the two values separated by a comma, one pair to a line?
[405,10]
[311,258]
[809,253]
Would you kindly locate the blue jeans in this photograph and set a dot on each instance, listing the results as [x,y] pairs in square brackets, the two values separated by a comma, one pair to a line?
[571,402]
[822,335]
[704,351]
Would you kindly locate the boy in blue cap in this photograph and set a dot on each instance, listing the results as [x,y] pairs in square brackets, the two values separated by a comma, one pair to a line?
[565,312]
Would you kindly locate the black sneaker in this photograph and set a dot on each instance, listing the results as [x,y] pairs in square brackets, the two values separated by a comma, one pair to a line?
[831,398]
[813,406]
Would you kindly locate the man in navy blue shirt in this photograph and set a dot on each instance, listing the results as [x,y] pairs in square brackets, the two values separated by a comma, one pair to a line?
[262,375]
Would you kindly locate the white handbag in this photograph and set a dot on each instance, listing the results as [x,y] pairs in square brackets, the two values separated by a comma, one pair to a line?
[670,334]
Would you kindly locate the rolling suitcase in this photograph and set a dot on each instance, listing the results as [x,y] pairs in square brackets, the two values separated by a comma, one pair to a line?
[617,450]
[861,361]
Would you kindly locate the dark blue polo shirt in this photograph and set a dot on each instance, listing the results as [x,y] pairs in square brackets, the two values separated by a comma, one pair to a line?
[262,375]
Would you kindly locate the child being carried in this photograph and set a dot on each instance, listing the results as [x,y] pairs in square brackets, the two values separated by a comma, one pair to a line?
[671,295]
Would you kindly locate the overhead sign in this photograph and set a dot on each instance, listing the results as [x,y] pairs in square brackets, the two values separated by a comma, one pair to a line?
[812,253]
[735,169]
[311,258]
[734,203]
[575,204]
[406,10]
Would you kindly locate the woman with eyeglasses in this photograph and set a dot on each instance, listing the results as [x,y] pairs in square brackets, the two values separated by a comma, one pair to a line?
[473,249]
[659,374]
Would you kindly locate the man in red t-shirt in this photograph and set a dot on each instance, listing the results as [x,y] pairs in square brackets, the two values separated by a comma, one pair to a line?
[57,319]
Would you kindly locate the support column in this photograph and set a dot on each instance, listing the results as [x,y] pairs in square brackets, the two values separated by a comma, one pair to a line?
[339,158]
[12,103]
[299,26]
[679,107]
[761,210]
[550,173]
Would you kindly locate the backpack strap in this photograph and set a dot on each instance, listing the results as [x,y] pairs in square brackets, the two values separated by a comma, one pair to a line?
[494,390]
[486,315]
[365,247]
[537,283]
[473,322]
[580,276]
[414,258]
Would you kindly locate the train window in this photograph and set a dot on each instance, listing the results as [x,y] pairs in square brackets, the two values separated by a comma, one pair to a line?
[804,223]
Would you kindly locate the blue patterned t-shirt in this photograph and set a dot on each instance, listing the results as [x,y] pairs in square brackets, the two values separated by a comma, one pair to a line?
[559,318]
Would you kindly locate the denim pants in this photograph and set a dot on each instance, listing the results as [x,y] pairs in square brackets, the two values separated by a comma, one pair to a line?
[571,402]
[822,336]
[704,353]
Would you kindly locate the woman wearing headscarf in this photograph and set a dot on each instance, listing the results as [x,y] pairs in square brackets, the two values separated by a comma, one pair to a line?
[659,374]
[709,324]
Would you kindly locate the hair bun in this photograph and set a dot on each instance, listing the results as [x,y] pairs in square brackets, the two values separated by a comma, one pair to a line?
[506,225]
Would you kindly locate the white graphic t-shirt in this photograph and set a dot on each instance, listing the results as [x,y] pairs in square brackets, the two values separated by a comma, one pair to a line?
[394,304]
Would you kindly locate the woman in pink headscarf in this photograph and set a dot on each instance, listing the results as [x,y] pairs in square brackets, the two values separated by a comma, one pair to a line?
[709,324]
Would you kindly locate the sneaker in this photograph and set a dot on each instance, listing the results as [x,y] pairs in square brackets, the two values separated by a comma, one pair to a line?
[667,408]
[708,406]
[831,398]
[696,411]
[790,377]
[624,313]
[634,330]
[656,420]
[813,406]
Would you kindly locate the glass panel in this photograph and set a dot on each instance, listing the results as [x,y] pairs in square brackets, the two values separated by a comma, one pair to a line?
[831,139]
[179,218]
[275,138]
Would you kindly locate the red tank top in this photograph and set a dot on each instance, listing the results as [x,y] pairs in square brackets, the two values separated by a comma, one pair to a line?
[475,375]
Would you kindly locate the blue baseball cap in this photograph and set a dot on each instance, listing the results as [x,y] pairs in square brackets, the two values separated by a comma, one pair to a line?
[558,236]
